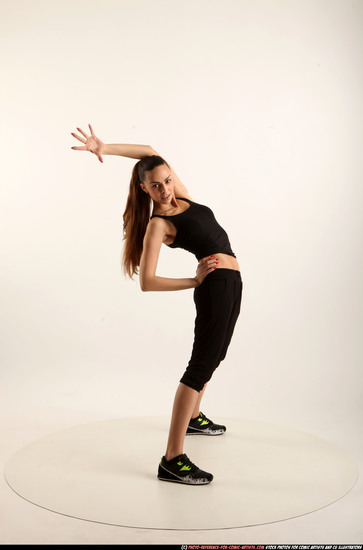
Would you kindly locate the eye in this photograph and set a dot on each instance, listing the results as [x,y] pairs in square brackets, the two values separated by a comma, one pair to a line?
[168,180]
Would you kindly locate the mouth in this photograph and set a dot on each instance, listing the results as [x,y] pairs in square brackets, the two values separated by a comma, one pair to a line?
[165,198]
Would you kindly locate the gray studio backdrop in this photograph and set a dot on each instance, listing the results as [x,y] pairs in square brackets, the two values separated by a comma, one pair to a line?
[257,106]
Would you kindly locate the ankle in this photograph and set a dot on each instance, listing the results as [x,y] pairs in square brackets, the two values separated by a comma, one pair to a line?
[170,455]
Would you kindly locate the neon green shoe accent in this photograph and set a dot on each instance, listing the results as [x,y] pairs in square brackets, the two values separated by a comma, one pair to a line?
[187,468]
[203,422]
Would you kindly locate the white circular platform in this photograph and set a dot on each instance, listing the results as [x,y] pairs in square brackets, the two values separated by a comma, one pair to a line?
[106,472]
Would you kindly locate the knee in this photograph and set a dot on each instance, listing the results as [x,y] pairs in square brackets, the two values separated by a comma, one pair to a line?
[192,381]
[197,379]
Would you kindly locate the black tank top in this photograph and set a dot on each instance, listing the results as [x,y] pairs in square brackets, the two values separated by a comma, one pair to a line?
[198,231]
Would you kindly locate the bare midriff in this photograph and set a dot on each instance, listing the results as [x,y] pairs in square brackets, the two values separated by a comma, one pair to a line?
[226,261]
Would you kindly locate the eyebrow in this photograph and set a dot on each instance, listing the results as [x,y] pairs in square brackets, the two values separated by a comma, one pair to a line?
[159,181]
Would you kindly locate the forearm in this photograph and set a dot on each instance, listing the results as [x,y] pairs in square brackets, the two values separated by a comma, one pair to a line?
[164,283]
[128,150]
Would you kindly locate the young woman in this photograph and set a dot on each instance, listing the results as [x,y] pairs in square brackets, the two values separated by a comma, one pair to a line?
[179,222]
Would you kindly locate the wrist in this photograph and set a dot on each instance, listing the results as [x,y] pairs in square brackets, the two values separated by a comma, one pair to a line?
[108,149]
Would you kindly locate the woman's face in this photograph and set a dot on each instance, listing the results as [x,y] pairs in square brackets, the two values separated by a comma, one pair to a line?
[159,184]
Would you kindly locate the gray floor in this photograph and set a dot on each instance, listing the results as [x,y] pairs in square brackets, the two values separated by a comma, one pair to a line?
[26,523]
[106,472]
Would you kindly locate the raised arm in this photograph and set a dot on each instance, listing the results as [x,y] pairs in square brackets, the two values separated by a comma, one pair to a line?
[153,240]
[94,145]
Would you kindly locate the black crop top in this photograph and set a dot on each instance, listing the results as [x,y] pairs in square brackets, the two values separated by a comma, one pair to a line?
[198,231]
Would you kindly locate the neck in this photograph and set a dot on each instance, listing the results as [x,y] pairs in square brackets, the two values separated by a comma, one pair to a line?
[165,208]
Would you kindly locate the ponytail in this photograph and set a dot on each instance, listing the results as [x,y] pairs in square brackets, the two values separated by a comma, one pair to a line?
[137,215]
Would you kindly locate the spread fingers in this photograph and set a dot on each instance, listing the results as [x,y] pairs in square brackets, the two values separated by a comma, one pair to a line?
[83,133]
[79,138]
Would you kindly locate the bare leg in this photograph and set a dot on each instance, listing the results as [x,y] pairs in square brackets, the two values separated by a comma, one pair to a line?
[196,410]
[184,405]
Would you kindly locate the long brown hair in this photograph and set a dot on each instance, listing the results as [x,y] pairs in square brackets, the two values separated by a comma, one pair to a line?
[137,214]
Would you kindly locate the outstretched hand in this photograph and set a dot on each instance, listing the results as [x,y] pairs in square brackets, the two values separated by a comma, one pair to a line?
[205,266]
[91,143]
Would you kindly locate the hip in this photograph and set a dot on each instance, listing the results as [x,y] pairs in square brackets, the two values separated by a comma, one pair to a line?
[222,284]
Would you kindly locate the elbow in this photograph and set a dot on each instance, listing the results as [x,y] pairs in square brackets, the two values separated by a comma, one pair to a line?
[147,279]
[144,285]
[153,152]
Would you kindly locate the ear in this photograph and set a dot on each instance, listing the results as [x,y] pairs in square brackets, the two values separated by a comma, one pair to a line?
[143,187]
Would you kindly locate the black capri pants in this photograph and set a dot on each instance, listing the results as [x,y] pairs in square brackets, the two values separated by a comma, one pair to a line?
[218,304]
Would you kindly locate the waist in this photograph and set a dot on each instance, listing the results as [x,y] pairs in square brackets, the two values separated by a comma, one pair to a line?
[226,261]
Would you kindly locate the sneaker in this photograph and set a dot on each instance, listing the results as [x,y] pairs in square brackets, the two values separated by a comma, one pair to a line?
[182,470]
[202,425]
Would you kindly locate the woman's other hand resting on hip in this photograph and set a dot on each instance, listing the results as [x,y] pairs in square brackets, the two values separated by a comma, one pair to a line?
[205,266]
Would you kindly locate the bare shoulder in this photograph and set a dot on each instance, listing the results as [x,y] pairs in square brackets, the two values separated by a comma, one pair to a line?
[155,224]
[156,229]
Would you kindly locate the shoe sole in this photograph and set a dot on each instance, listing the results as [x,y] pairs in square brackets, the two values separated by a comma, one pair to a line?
[205,432]
[184,482]
[187,480]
